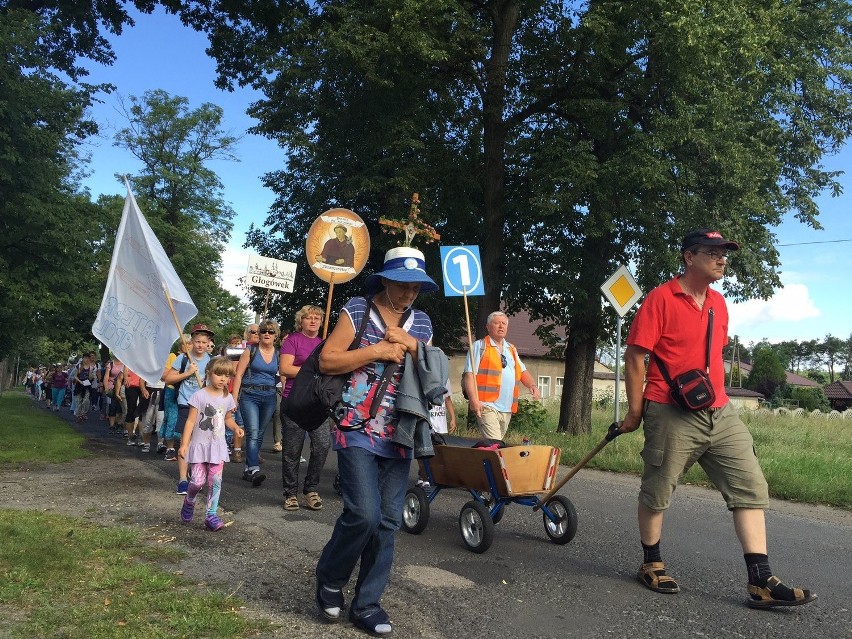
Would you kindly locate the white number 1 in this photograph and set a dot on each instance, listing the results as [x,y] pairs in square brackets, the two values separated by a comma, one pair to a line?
[464,269]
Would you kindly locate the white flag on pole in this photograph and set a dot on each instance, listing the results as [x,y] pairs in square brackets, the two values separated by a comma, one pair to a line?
[134,320]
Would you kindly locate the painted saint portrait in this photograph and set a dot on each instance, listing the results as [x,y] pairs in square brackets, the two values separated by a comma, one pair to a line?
[337,246]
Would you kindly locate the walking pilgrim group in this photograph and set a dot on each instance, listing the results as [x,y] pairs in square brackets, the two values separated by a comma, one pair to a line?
[212,408]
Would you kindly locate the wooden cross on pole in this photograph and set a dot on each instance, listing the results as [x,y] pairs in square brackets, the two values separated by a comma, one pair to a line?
[412,226]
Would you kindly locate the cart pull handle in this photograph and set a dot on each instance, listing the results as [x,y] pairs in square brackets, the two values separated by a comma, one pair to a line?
[611,434]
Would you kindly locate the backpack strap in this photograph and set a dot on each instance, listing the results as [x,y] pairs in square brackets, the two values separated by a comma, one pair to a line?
[386,376]
[252,354]
[665,372]
[388,373]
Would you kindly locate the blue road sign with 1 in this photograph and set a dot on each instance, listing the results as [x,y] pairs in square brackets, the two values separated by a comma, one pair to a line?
[462,271]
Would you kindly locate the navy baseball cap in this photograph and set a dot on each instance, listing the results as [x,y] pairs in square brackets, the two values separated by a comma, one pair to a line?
[707,237]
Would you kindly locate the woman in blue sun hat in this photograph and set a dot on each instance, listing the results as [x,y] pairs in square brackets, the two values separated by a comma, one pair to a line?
[373,470]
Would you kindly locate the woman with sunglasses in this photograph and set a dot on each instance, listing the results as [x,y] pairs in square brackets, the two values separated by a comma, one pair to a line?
[255,394]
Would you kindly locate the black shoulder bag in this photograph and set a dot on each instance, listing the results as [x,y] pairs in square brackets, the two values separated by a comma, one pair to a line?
[692,390]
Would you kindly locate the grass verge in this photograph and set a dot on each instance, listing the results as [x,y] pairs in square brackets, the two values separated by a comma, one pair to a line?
[804,459]
[32,434]
[63,577]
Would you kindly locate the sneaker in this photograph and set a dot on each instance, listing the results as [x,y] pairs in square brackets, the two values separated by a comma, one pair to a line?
[187,511]
[130,442]
[213,523]
[182,487]
[425,485]
[302,460]
[171,455]
[161,448]
[146,448]
[255,477]
[142,443]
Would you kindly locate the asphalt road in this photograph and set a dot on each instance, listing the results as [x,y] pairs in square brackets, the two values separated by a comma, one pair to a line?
[526,586]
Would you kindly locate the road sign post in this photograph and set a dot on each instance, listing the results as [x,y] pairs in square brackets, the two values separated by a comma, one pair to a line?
[622,292]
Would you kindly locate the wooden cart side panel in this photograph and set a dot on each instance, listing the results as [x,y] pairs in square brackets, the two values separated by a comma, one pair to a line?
[530,468]
[518,470]
[463,467]
[552,468]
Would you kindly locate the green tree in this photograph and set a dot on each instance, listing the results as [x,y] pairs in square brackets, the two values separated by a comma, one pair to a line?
[767,373]
[574,136]
[181,197]
[49,229]
[831,353]
[809,398]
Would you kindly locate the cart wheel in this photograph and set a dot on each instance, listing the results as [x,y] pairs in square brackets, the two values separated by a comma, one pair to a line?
[565,527]
[415,514]
[476,527]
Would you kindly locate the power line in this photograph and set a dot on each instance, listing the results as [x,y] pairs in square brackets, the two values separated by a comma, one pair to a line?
[817,242]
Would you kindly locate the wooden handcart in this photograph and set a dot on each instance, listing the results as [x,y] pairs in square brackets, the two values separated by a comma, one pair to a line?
[494,479]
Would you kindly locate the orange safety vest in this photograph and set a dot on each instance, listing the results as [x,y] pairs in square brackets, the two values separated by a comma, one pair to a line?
[489,375]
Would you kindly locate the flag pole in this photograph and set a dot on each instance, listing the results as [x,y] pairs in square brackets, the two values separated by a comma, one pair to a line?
[328,305]
[186,348]
[266,304]
[470,345]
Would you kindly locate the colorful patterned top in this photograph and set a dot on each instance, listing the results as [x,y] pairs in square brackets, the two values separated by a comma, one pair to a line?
[361,386]
[208,435]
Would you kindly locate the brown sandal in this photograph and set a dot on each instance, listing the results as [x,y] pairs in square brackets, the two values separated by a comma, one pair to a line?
[653,576]
[767,597]
[313,501]
[291,503]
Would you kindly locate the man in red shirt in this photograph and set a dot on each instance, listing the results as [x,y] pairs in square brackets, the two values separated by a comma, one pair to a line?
[672,326]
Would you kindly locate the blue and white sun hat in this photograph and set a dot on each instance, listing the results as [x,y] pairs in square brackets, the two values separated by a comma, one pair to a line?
[402,264]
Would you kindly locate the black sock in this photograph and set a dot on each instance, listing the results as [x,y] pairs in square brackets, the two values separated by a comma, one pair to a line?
[758,568]
[651,553]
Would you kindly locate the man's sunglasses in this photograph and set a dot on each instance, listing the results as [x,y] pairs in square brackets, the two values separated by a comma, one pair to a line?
[503,360]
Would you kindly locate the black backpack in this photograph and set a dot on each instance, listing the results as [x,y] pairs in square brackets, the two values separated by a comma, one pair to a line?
[316,397]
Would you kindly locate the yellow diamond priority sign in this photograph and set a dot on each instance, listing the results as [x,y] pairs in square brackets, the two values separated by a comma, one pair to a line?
[621,291]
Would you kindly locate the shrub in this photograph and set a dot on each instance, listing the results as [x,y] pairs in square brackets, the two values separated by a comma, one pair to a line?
[810,398]
[530,417]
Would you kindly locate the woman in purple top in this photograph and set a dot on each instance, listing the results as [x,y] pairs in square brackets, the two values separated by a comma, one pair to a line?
[60,383]
[294,351]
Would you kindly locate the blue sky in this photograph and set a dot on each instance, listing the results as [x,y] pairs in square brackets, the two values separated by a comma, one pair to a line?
[160,53]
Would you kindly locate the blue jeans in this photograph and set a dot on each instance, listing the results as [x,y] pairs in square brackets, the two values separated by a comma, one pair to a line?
[256,408]
[58,396]
[373,498]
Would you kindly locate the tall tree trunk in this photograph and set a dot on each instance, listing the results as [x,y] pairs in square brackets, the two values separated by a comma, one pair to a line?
[583,330]
[505,20]
[575,410]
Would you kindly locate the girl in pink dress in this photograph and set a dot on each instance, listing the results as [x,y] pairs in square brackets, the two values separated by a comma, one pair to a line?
[203,444]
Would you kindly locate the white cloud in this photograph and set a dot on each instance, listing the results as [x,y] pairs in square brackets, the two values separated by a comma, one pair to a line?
[234,266]
[790,304]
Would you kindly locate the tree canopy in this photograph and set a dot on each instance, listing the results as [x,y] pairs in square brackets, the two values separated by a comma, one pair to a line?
[48,228]
[563,137]
[55,243]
